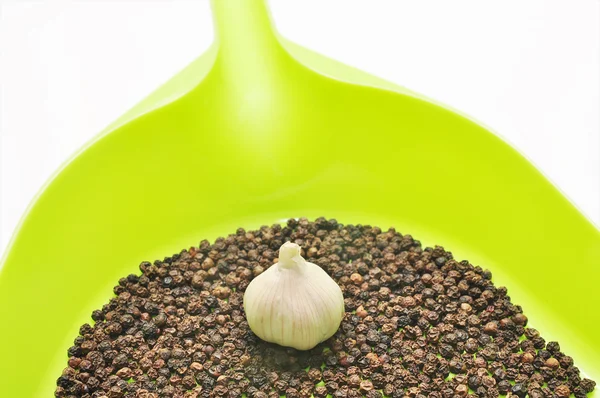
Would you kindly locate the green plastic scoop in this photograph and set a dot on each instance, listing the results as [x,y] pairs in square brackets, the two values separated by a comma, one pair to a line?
[258,130]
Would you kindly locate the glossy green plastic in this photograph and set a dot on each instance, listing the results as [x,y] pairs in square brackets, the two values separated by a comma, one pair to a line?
[258,130]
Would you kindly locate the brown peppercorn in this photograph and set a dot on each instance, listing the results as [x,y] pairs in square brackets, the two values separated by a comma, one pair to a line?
[321,392]
[527,357]
[461,390]
[562,391]
[552,363]
[315,375]
[196,367]
[491,328]
[124,373]
[221,292]
[354,380]
[258,270]
[520,319]
[74,362]
[366,386]
[488,381]
[356,279]
[198,279]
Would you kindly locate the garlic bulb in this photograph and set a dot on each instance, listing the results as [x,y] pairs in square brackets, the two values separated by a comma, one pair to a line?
[294,303]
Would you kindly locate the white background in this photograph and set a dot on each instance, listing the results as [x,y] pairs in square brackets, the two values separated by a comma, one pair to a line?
[528,69]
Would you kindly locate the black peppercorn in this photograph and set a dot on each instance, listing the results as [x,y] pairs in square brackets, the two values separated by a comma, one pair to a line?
[414,315]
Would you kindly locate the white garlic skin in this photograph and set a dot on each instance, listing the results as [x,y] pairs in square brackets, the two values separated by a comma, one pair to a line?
[294,303]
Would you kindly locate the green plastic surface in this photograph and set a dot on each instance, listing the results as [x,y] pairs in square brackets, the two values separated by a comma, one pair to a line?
[258,130]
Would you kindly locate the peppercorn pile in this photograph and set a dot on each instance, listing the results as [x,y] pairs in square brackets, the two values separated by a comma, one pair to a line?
[418,324]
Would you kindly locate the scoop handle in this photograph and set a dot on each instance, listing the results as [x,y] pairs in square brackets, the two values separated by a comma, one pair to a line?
[245,35]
